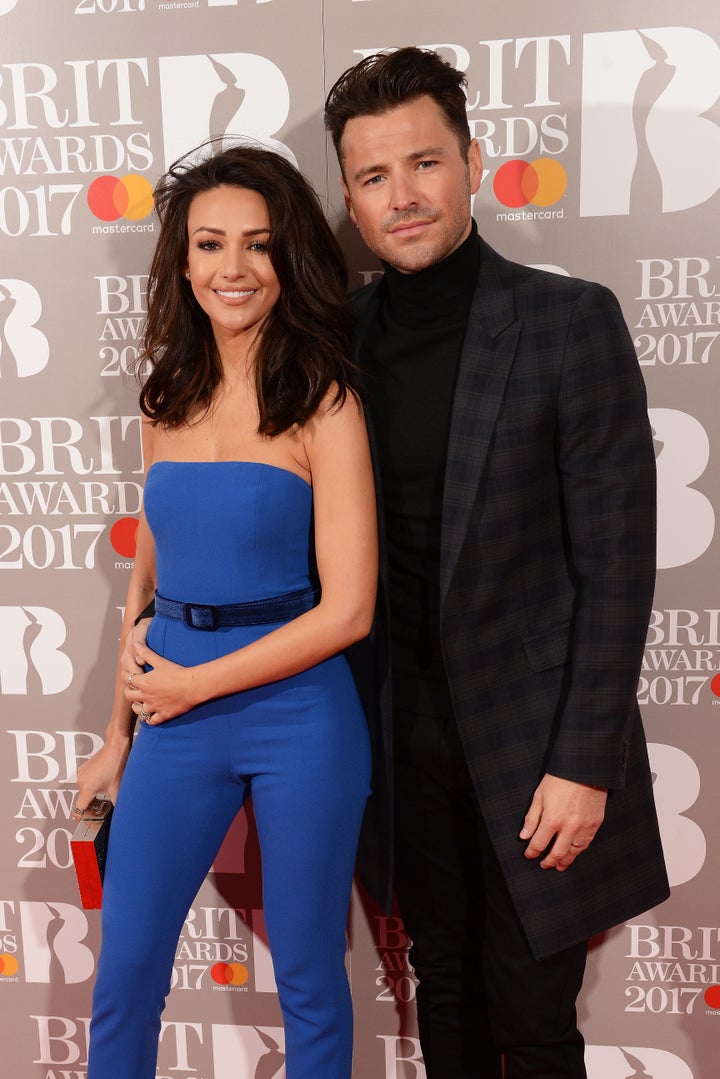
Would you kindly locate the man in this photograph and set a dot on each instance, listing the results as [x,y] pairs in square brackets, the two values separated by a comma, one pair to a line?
[516,481]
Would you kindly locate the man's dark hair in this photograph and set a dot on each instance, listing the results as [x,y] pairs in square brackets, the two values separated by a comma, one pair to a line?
[387,80]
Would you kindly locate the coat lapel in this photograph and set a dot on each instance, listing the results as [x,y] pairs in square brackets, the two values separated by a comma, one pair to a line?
[487,355]
[365,303]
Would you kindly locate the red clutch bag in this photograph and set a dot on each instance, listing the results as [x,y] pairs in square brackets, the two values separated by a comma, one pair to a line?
[88,845]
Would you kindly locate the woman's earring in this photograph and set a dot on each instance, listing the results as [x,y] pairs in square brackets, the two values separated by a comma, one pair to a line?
[187,274]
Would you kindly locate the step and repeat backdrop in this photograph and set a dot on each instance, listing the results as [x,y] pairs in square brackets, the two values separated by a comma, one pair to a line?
[600,132]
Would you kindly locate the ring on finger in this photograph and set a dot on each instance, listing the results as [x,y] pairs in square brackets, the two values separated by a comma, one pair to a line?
[130,683]
[578,846]
[144,716]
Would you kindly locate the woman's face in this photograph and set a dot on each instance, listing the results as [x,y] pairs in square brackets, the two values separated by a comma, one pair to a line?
[230,271]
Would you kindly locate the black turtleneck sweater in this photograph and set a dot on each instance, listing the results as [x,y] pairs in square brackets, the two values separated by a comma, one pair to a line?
[411,354]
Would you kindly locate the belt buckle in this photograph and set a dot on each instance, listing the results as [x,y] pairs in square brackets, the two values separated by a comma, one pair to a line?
[209,616]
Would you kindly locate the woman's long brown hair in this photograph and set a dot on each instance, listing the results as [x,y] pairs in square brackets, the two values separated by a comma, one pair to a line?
[303,348]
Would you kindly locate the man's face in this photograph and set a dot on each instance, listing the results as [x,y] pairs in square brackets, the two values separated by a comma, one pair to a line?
[407,186]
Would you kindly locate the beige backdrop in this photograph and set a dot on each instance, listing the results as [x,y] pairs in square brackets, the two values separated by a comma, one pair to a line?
[600,130]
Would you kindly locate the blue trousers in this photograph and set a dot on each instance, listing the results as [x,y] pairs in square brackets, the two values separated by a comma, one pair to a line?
[300,748]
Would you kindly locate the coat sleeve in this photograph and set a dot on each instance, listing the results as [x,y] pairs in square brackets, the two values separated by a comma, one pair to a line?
[606,463]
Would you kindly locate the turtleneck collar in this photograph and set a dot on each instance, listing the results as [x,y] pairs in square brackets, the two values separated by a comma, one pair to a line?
[445,288]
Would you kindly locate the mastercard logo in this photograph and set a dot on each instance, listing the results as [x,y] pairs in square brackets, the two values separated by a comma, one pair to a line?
[229,973]
[541,182]
[712,996]
[8,965]
[110,198]
[123,536]
[715,685]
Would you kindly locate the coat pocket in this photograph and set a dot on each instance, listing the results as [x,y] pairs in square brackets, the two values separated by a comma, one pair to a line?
[545,650]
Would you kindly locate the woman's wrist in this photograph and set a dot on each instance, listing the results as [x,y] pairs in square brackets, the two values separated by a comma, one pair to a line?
[199,683]
[120,732]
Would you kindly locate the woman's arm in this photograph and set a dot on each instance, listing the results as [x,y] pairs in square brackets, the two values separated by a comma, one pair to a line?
[346,552]
[102,773]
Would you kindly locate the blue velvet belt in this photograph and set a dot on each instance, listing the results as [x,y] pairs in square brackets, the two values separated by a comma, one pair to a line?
[254,613]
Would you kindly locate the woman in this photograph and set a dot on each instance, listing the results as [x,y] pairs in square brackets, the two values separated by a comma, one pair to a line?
[259,499]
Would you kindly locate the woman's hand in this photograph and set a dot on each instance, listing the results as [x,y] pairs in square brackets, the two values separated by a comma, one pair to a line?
[168,690]
[101,774]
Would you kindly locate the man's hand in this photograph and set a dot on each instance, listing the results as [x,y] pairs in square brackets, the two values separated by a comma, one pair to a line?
[564,811]
[128,661]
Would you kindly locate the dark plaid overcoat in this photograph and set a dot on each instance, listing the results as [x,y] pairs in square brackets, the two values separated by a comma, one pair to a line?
[547,577]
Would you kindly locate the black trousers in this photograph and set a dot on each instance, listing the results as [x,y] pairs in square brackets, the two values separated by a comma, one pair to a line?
[483,999]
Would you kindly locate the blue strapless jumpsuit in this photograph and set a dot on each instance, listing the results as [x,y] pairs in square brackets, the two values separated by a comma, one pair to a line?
[231,532]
